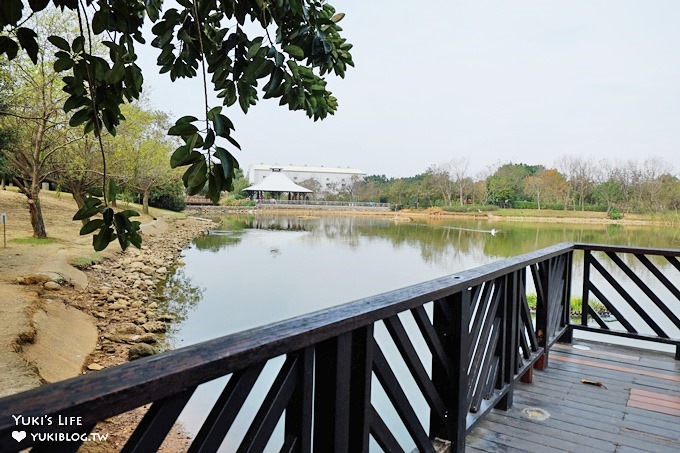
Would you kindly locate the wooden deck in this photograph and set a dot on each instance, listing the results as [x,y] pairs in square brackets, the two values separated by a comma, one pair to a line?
[637,409]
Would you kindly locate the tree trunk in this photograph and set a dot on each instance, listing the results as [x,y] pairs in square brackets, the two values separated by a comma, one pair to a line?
[145,202]
[35,211]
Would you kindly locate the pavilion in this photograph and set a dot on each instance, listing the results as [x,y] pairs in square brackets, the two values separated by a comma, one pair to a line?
[277,183]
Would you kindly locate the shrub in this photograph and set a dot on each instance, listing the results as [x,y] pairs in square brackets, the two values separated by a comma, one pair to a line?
[614,214]
[169,195]
[168,201]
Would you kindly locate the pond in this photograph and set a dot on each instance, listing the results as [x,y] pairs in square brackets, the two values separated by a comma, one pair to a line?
[256,270]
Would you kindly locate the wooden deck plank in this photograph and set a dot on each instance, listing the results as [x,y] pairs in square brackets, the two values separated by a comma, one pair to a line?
[591,418]
[496,434]
[655,397]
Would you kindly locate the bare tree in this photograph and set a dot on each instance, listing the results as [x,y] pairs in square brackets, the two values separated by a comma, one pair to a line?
[580,176]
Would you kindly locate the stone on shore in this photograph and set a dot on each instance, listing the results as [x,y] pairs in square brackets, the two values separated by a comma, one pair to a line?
[140,350]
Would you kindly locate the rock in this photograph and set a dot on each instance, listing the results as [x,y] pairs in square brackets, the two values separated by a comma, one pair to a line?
[53,286]
[148,338]
[167,317]
[127,328]
[148,270]
[117,306]
[140,350]
[162,270]
[155,327]
[95,367]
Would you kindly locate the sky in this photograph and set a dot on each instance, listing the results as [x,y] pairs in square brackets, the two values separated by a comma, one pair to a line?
[523,81]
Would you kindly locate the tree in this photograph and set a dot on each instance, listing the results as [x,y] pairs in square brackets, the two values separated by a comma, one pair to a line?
[34,113]
[298,44]
[314,185]
[506,184]
[141,150]
[548,184]
[6,134]
[78,170]
[579,173]
[438,177]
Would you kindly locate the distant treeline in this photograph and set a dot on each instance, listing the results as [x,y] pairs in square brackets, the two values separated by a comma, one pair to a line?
[575,184]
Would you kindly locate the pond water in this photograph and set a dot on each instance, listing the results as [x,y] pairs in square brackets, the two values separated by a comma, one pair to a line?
[257,270]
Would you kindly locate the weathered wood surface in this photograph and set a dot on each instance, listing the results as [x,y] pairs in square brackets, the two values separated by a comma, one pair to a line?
[587,417]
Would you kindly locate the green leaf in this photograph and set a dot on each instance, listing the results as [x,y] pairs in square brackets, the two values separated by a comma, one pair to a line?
[338,17]
[63,64]
[230,93]
[80,117]
[198,174]
[254,47]
[184,156]
[38,5]
[294,51]
[108,216]
[90,209]
[78,44]
[9,47]
[213,192]
[186,119]
[209,139]
[102,239]
[226,160]
[27,41]
[91,226]
[214,111]
[129,213]
[233,142]
[182,129]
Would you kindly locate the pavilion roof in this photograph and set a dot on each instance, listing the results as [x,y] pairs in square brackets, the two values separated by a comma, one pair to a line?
[277,182]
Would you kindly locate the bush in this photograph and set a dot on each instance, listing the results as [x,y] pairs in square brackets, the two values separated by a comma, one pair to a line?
[168,196]
[166,201]
[614,214]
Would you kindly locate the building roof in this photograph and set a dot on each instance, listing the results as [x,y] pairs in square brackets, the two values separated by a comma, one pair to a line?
[277,182]
[306,168]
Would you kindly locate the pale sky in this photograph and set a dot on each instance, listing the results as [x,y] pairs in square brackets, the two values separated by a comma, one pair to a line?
[497,81]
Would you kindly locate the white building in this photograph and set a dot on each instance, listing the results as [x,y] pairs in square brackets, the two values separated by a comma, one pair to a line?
[330,178]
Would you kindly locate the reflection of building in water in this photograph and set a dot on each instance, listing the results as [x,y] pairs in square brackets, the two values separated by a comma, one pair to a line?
[329,178]
[282,223]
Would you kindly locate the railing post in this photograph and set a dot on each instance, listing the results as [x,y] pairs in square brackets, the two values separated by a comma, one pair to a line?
[509,337]
[542,314]
[586,287]
[298,425]
[568,335]
[342,391]
[451,321]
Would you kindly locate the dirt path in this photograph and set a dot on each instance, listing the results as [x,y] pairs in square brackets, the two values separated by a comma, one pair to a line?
[23,308]
[57,321]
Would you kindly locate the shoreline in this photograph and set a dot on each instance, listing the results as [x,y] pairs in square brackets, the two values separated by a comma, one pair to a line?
[435,214]
[130,314]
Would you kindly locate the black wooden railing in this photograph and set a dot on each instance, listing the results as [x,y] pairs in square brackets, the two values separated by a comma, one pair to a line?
[657,319]
[480,339]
